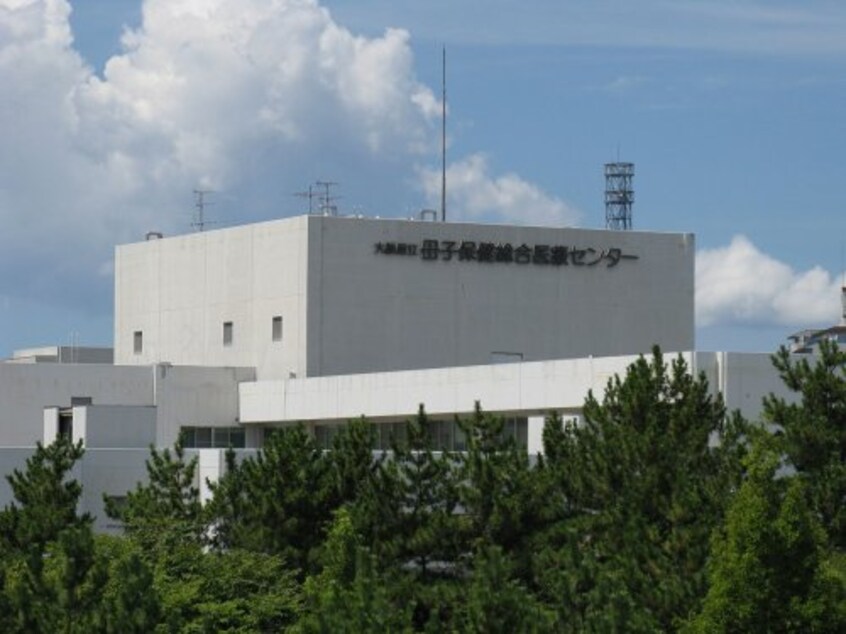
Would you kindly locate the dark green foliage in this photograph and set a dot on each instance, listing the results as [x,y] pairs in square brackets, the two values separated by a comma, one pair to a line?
[46,499]
[282,500]
[351,460]
[56,576]
[610,531]
[768,572]
[131,603]
[814,430]
[407,512]
[278,501]
[638,488]
[498,603]
[504,500]
[165,511]
[500,495]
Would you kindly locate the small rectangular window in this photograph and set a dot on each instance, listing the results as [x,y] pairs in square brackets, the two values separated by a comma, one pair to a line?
[276,330]
[189,437]
[66,424]
[227,333]
[203,437]
[138,342]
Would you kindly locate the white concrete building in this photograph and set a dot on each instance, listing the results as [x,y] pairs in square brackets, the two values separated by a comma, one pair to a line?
[316,320]
[320,295]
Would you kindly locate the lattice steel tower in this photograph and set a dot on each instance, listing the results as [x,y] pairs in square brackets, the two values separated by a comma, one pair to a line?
[619,195]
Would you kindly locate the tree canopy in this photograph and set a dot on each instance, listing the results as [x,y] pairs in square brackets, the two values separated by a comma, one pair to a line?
[656,510]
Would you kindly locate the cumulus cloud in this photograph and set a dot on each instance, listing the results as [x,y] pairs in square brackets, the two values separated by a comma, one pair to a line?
[252,97]
[738,284]
[473,194]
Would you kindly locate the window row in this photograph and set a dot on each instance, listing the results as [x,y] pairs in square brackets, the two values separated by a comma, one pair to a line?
[446,435]
[228,334]
[213,437]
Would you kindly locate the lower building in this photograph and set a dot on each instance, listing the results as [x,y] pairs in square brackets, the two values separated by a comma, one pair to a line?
[119,412]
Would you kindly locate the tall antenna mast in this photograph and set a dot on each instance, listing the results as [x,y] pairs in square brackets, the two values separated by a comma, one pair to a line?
[619,195]
[199,221]
[443,134]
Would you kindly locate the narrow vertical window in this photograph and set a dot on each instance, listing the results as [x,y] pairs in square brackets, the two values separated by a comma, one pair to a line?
[138,342]
[276,330]
[227,333]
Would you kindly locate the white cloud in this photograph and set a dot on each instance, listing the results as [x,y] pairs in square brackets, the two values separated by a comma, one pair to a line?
[474,194]
[739,284]
[222,94]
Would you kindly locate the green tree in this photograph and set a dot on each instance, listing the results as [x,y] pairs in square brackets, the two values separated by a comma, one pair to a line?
[814,429]
[407,514]
[46,499]
[636,490]
[56,578]
[232,591]
[279,502]
[499,492]
[164,511]
[497,603]
[131,602]
[349,595]
[768,571]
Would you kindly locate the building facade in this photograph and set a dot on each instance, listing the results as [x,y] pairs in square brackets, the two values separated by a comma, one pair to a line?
[223,336]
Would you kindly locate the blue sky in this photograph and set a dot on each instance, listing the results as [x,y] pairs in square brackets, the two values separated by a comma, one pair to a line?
[732,112]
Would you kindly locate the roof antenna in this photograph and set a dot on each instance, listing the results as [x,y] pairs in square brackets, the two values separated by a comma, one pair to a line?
[199,221]
[443,134]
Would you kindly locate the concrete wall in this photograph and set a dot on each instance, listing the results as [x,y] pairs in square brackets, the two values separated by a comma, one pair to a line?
[114,426]
[26,389]
[11,458]
[193,396]
[348,308]
[533,389]
[110,472]
[744,379]
[376,312]
[179,292]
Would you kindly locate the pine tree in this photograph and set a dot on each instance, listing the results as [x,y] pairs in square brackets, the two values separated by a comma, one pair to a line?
[46,499]
[165,511]
[408,512]
[279,502]
[497,603]
[501,501]
[55,576]
[636,490]
[814,430]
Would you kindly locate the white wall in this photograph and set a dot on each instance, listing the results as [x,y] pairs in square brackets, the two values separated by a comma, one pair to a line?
[526,388]
[179,291]
[348,309]
[26,389]
[11,459]
[114,426]
[110,472]
[533,389]
[193,396]
[371,312]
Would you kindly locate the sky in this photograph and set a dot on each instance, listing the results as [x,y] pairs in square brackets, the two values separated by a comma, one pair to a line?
[112,112]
